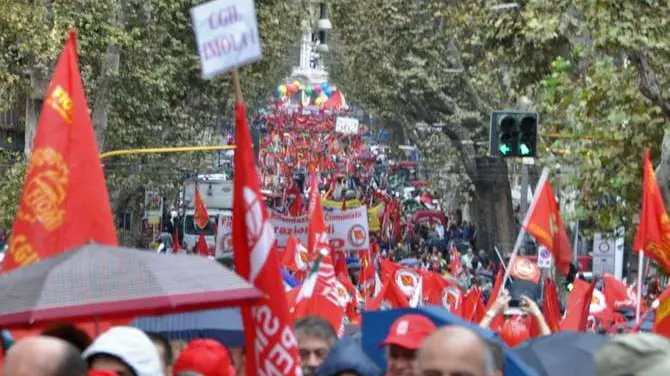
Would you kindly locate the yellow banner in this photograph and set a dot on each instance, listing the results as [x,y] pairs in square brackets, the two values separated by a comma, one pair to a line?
[374,213]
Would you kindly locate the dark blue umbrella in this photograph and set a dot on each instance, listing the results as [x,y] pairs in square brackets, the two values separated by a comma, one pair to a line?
[562,353]
[223,325]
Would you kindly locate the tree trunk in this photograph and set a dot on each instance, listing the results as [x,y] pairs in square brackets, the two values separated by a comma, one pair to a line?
[38,85]
[493,211]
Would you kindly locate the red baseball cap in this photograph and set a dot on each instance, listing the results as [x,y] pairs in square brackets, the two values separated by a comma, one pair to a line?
[408,331]
[206,357]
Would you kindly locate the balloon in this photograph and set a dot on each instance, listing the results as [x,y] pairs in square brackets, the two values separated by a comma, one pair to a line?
[308,91]
[328,91]
[290,89]
[325,86]
[281,89]
[316,89]
[319,101]
[296,83]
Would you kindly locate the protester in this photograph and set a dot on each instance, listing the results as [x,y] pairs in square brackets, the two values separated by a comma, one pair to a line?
[315,337]
[44,356]
[455,350]
[164,351]
[71,334]
[640,354]
[347,357]
[205,357]
[125,350]
[402,342]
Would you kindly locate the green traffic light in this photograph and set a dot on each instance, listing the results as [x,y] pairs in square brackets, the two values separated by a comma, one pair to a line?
[524,149]
[504,149]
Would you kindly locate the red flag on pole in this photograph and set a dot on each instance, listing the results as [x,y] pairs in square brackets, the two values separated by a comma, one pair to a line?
[317,235]
[544,223]
[64,175]
[200,215]
[268,328]
[653,232]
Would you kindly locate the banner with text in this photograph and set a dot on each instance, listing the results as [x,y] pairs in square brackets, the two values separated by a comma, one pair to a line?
[348,229]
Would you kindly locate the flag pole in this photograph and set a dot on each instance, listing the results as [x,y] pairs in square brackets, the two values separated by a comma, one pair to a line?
[237,86]
[640,267]
[522,232]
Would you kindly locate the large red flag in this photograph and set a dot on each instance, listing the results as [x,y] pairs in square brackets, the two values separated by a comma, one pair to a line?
[662,319]
[200,215]
[578,307]
[653,232]
[544,222]
[64,202]
[268,329]
[550,306]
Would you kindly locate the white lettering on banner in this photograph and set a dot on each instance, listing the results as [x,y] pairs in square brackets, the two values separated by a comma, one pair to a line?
[347,229]
[226,32]
[278,360]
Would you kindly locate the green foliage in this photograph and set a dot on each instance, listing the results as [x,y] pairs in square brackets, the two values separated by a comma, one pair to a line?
[13,167]
[579,64]
[146,53]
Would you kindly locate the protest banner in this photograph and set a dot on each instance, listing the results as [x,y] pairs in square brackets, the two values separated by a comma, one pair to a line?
[347,229]
[226,32]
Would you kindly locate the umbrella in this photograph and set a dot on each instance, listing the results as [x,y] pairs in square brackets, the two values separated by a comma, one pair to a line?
[409,262]
[563,353]
[223,325]
[96,281]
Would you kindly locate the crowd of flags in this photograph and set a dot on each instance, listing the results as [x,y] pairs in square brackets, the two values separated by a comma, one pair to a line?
[65,169]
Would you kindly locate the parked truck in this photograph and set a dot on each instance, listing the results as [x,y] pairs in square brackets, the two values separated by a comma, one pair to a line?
[216,191]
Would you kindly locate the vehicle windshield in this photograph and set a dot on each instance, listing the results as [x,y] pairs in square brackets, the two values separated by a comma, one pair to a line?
[190,228]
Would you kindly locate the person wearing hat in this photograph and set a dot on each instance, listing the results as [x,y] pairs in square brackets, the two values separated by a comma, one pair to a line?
[205,357]
[639,354]
[402,342]
[125,350]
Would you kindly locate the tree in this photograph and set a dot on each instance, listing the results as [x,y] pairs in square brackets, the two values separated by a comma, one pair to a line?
[595,70]
[605,87]
[408,63]
[141,72]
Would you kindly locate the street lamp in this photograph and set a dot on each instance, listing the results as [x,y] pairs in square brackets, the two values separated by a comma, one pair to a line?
[323,25]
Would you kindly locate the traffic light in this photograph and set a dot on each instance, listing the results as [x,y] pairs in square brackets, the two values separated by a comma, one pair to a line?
[513,134]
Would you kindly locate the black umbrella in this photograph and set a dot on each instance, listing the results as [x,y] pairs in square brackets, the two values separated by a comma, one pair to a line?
[98,282]
[562,354]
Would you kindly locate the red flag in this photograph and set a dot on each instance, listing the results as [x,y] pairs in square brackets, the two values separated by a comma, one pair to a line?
[176,242]
[323,295]
[653,232]
[267,323]
[579,305]
[473,307]
[550,306]
[64,175]
[617,294]
[295,256]
[200,216]
[544,222]
[390,296]
[662,319]
[495,291]
[317,237]
[296,207]
[201,247]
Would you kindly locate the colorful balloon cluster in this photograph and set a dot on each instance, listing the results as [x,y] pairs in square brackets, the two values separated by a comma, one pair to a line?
[318,93]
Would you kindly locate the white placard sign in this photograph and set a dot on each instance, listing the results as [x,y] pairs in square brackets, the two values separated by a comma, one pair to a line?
[544,258]
[347,229]
[227,35]
[346,125]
